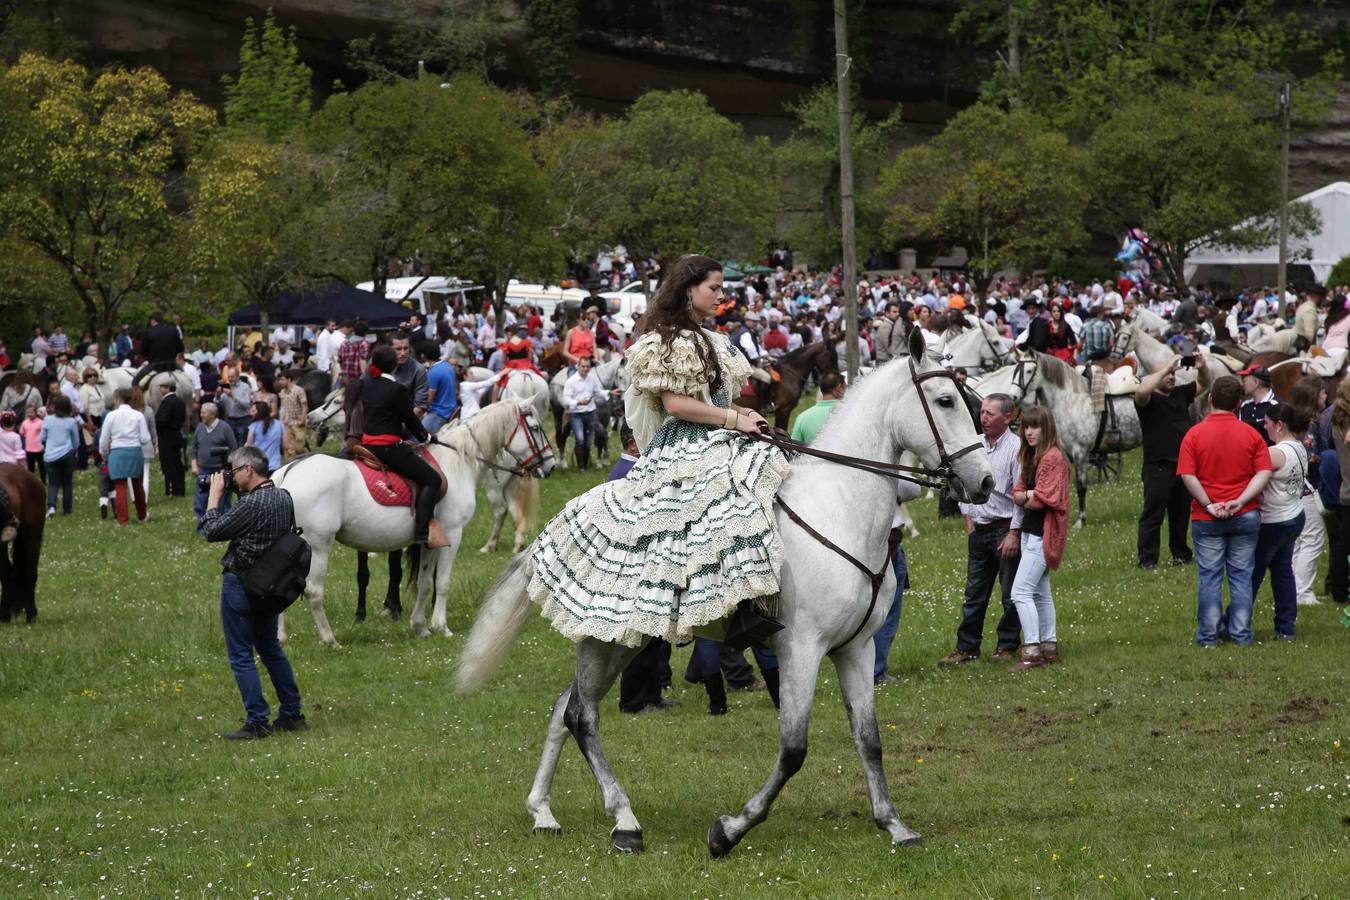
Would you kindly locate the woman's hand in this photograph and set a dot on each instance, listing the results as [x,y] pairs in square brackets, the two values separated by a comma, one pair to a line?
[749,422]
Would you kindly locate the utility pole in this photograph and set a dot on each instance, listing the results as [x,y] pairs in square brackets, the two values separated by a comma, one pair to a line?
[842,63]
[1285,115]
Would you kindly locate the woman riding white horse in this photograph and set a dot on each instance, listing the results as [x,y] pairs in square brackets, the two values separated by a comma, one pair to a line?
[827,596]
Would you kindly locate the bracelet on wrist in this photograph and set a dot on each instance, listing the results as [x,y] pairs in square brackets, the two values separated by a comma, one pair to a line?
[731,419]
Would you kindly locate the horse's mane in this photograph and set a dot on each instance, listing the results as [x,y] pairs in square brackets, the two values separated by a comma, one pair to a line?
[491,426]
[1060,374]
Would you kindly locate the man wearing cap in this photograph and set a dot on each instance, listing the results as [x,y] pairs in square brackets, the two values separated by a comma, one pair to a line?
[1038,329]
[1260,398]
[747,337]
[1308,317]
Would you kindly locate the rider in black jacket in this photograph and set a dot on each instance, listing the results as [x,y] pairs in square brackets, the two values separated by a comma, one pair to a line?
[388,413]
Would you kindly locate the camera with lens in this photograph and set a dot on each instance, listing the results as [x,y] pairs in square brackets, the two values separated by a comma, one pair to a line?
[220,459]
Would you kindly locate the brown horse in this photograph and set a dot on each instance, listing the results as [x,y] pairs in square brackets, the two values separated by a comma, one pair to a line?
[782,395]
[19,565]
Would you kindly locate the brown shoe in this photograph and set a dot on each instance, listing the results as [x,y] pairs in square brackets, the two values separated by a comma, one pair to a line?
[1050,652]
[956,657]
[1005,653]
[1031,659]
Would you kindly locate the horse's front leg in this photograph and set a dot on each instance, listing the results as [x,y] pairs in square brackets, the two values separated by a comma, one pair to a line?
[598,664]
[797,690]
[499,504]
[1081,477]
[855,665]
[444,561]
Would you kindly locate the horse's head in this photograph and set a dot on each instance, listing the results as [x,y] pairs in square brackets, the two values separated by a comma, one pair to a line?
[528,445]
[328,416]
[944,437]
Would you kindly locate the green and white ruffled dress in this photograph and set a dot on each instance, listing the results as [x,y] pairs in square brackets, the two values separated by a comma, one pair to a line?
[686,536]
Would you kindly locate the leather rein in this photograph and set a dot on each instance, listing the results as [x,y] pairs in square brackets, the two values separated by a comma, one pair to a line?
[920,475]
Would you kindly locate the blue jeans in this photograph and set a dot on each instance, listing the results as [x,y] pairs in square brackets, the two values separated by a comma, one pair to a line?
[61,474]
[1275,551]
[244,633]
[1225,545]
[199,499]
[583,426]
[983,564]
[434,422]
[886,633]
[706,660]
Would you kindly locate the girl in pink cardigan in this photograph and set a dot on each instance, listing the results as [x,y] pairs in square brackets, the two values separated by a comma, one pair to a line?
[1042,491]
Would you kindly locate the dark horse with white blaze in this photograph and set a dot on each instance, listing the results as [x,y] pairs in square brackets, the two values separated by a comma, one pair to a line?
[781,397]
[828,600]
[19,557]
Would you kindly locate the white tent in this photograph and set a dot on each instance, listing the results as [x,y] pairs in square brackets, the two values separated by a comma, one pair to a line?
[1319,252]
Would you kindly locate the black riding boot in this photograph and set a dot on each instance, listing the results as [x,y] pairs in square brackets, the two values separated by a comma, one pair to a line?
[423,510]
[583,458]
[771,683]
[717,695]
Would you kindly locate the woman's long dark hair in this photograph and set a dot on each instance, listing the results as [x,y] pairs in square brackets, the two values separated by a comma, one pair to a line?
[1030,457]
[1340,308]
[670,313]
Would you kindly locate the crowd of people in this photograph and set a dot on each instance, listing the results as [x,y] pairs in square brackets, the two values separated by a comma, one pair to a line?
[1257,484]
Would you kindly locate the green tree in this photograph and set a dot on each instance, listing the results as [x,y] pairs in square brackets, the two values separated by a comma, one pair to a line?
[810,165]
[550,37]
[581,158]
[689,181]
[257,225]
[1190,169]
[35,26]
[90,166]
[1339,276]
[272,91]
[1076,62]
[450,37]
[999,183]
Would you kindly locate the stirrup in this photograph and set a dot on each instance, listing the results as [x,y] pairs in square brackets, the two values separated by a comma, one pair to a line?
[748,626]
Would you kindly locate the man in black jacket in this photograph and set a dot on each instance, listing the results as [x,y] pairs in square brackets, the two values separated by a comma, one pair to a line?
[170,420]
[160,344]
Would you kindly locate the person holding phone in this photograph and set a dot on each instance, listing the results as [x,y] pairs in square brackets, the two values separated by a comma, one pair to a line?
[1165,416]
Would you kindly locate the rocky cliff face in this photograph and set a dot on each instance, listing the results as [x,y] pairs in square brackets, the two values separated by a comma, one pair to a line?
[748,56]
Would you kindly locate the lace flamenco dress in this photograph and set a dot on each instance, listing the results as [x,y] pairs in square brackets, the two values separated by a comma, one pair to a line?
[687,536]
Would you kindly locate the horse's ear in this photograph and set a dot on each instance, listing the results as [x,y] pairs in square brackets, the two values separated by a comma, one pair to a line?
[917,345]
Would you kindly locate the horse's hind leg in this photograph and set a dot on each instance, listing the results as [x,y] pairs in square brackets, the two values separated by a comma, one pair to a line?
[855,667]
[1081,467]
[538,801]
[598,664]
[392,602]
[797,691]
[362,582]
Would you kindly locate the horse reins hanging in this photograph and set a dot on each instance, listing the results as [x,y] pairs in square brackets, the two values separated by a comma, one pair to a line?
[937,477]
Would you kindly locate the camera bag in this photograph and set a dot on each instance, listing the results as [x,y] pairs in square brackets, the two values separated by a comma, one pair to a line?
[278,577]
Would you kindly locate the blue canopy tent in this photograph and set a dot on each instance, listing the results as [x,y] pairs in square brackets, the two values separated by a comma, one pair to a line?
[318,305]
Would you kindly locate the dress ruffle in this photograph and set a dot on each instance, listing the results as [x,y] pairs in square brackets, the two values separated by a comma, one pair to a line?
[687,536]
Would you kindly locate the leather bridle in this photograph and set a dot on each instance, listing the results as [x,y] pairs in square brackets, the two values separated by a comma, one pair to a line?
[937,477]
[1120,347]
[529,467]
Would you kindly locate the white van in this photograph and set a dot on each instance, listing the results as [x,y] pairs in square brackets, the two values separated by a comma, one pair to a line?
[424,292]
[544,297]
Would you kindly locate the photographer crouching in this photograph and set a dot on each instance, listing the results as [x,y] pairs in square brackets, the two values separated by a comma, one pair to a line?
[262,515]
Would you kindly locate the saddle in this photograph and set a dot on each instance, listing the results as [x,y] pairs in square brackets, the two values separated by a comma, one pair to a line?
[388,488]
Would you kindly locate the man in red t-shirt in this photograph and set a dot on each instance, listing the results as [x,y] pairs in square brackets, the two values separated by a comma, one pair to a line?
[1225,465]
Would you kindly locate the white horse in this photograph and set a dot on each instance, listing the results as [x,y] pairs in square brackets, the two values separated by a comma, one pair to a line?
[328,418]
[1133,340]
[1150,321]
[826,602]
[120,377]
[979,348]
[1046,381]
[333,504]
[1263,338]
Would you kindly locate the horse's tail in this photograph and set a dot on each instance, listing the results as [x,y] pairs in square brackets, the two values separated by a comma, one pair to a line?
[414,563]
[500,619]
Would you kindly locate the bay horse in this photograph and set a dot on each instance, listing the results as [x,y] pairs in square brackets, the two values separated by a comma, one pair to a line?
[906,404]
[332,504]
[782,395]
[19,557]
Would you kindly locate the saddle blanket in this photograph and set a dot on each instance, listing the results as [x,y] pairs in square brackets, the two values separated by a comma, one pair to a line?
[387,487]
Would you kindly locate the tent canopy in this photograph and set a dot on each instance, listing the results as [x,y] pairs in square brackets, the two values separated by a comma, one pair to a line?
[1319,252]
[334,301]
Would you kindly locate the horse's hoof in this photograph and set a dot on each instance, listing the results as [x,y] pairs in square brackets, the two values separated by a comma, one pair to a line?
[549,831]
[483,549]
[385,612]
[914,840]
[360,617]
[444,631]
[31,618]
[395,615]
[626,841]
[422,632]
[719,845]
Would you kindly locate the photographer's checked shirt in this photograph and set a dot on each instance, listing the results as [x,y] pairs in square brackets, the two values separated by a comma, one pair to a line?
[251,525]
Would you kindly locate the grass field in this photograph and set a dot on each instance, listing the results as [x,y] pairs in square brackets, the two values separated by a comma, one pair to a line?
[1139,767]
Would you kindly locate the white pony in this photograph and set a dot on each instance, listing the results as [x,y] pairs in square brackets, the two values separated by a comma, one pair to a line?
[121,377]
[979,348]
[826,600]
[333,504]
[1046,381]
